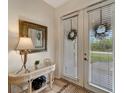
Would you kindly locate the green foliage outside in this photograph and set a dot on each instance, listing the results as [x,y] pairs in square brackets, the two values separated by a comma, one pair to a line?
[96,57]
[102,45]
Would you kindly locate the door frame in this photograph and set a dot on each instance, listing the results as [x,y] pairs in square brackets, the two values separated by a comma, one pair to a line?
[86,68]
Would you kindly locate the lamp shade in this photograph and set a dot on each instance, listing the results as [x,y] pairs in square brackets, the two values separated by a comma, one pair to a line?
[25,43]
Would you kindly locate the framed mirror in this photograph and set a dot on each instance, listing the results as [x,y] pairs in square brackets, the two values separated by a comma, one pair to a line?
[37,32]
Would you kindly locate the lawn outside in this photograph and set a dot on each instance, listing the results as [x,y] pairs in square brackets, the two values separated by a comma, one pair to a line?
[98,56]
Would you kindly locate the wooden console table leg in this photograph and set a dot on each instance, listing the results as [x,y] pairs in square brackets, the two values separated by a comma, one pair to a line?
[51,79]
[30,86]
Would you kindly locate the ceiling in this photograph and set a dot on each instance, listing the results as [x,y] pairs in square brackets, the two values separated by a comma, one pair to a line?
[56,3]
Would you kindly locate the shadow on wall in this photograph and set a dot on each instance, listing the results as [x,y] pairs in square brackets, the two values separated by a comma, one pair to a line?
[12,40]
[14,60]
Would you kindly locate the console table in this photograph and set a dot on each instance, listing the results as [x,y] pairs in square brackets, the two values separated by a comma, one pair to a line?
[19,79]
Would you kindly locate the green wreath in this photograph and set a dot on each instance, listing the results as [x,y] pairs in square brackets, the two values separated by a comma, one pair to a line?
[72,34]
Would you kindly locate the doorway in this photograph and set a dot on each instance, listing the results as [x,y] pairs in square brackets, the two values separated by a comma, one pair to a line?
[89,57]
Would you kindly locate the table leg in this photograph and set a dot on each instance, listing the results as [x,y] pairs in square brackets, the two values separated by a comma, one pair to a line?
[30,86]
[51,79]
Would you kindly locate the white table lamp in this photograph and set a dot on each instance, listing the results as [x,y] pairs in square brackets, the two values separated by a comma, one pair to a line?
[24,46]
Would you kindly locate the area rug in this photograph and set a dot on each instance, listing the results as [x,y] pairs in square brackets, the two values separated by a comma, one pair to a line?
[58,86]
[61,86]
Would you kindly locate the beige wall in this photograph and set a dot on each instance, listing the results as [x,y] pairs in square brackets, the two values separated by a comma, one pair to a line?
[36,11]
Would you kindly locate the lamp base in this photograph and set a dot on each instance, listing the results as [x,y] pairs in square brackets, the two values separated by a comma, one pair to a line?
[24,52]
[25,70]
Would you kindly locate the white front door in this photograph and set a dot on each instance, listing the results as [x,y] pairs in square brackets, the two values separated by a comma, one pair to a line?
[99,47]
[70,48]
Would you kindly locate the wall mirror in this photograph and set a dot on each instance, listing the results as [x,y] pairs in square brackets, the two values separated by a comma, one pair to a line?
[37,32]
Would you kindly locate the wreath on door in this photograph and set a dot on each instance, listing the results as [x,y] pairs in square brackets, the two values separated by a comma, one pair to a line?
[100,30]
[72,34]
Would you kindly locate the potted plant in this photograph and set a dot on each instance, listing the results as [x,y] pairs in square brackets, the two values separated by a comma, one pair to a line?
[36,64]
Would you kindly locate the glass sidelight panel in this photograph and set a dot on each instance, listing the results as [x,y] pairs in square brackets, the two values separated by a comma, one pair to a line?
[101,48]
[70,49]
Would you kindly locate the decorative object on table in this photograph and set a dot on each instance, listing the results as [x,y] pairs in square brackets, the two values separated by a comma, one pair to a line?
[24,46]
[47,61]
[37,32]
[101,30]
[36,64]
[38,82]
[72,34]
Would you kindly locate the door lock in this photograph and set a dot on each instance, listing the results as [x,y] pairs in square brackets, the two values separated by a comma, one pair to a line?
[85,59]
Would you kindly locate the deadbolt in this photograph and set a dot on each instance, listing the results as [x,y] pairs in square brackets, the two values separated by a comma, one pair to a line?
[85,59]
